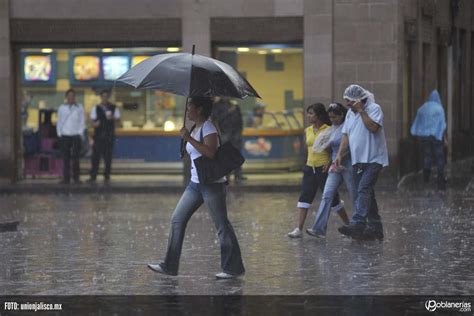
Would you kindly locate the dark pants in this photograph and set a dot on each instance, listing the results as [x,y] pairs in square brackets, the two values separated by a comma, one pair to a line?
[193,197]
[366,213]
[237,143]
[313,179]
[431,145]
[71,149]
[103,148]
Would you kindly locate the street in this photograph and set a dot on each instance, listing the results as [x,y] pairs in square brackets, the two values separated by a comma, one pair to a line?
[80,244]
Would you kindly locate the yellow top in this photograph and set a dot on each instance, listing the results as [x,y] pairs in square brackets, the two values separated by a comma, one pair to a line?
[315,159]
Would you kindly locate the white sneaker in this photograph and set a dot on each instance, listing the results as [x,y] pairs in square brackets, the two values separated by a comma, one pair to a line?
[158,268]
[224,276]
[296,233]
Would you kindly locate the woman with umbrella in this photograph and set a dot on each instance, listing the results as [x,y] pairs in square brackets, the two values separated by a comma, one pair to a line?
[202,141]
[199,78]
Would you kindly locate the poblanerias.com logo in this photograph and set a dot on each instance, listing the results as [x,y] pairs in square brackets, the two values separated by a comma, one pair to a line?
[432,305]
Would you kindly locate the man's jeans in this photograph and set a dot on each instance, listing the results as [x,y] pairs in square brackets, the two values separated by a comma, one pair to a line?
[333,183]
[366,211]
[430,145]
[193,197]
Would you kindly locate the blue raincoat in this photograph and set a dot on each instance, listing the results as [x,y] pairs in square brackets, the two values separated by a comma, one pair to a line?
[430,119]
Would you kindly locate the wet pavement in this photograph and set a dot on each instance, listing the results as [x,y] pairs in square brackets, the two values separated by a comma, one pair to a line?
[74,244]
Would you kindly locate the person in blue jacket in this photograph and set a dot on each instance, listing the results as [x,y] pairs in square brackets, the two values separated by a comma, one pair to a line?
[430,126]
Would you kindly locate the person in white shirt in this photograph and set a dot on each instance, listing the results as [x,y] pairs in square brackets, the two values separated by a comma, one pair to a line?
[363,133]
[70,128]
[103,117]
[202,141]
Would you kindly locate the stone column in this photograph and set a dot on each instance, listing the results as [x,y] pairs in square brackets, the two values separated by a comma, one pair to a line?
[196,30]
[196,25]
[7,108]
[318,51]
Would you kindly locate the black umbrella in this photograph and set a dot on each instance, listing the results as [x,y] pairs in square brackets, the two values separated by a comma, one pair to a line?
[188,75]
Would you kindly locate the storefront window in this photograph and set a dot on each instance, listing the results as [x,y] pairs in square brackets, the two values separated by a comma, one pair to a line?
[47,73]
[276,72]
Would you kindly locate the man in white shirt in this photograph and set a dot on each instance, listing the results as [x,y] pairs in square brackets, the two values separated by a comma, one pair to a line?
[363,135]
[103,117]
[70,126]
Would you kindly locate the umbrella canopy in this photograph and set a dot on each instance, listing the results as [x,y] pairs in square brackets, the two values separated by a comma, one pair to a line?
[188,75]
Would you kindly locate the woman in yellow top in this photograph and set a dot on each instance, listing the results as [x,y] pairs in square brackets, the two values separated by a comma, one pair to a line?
[316,168]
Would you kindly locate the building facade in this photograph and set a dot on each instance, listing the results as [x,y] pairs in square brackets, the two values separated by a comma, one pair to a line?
[400,50]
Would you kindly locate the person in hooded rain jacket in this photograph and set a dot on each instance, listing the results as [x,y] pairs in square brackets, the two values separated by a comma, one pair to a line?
[430,126]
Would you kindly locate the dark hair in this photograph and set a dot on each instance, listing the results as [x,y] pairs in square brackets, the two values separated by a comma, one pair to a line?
[338,109]
[205,103]
[104,91]
[320,110]
[69,91]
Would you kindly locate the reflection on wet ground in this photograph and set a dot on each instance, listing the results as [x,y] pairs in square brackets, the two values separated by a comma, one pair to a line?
[100,244]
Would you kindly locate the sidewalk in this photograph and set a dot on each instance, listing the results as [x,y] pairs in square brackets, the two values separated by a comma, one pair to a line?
[458,173]
[281,182]
[162,183]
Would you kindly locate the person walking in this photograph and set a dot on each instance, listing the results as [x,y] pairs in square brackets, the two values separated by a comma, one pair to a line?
[70,128]
[363,134]
[430,126]
[315,170]
[202,140]
[103,118]
[228,118]
[255,119]
[337,114]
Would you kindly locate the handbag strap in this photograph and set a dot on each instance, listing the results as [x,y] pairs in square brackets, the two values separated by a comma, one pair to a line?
[201,138]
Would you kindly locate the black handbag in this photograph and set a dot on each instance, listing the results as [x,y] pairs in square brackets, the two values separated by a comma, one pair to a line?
[227,159]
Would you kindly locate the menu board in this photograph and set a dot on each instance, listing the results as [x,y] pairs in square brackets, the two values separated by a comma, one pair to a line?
[138,59]
[37,68]
[114,66]
[86,68]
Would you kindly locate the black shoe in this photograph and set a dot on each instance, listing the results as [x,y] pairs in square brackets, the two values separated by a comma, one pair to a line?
[107,180]
[77,181]
[91,181]
[64,182]
[370,234]
[351,230]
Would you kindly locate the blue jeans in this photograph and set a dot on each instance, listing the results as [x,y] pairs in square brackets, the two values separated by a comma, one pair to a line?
[366,210]
[333,183]
[193,197]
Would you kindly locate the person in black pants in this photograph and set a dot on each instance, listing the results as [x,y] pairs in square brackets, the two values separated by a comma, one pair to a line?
[228,118]
[70,127]
[103,116]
